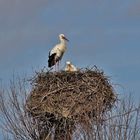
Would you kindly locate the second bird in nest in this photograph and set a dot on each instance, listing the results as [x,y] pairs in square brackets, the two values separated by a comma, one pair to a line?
[70,67]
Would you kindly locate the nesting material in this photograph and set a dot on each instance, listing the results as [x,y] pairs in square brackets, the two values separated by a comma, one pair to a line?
[70,97]
[74,95]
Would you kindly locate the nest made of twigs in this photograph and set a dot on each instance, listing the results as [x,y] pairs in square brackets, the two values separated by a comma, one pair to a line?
[78,96]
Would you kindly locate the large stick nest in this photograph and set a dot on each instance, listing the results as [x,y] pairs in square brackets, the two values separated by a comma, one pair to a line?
[71,94]
[75,96]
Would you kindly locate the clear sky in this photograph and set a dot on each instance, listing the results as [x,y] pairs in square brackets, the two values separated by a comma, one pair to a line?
[105,33]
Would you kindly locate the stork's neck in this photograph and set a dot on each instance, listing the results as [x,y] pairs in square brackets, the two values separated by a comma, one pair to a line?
[62,41]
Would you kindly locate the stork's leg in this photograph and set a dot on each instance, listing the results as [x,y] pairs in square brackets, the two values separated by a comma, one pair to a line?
[55,66]
[58,65]
[60,62]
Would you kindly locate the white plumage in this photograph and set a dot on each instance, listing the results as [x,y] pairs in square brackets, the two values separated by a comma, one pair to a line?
[55,55]
[70,67]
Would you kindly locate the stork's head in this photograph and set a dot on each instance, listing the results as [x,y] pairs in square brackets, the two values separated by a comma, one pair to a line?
[62,37]
[68,62]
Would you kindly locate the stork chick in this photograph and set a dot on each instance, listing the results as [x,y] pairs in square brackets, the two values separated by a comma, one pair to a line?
[70,67]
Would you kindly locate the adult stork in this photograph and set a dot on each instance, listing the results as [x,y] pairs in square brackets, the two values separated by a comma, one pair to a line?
[70,67]
[55,55]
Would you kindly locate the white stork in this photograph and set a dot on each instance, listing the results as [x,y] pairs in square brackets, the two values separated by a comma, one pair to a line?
[55,55]
[69,67]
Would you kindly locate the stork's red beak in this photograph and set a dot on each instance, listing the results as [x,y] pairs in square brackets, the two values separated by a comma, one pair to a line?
[65,38]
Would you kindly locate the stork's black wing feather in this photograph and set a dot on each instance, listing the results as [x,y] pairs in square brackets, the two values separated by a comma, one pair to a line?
[51,60]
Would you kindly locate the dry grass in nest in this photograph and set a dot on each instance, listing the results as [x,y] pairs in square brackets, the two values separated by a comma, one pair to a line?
[69,98]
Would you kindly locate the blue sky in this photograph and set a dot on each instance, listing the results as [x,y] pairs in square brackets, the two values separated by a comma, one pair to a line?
[105,33]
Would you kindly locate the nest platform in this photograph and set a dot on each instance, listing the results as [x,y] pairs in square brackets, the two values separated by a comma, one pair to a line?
[65,99]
